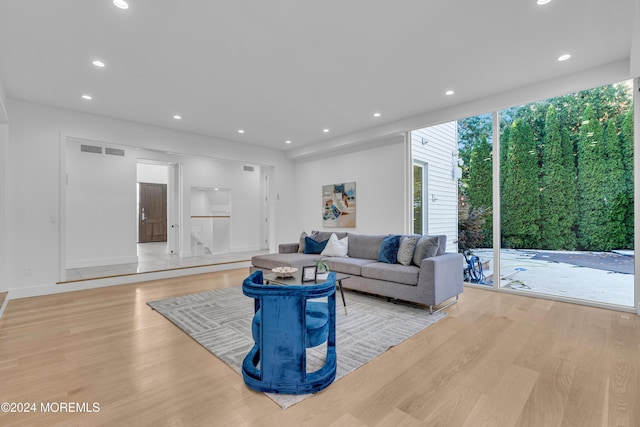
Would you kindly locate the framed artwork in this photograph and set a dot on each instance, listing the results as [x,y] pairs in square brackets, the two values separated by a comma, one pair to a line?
[339,205]
[309,273]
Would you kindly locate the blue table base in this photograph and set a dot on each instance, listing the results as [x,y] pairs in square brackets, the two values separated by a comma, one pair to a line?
[284,326]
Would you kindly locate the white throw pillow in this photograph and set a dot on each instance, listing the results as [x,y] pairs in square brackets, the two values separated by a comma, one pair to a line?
[336,247]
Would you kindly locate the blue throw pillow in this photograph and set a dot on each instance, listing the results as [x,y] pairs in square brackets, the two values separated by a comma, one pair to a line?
[312,246]
[389,249]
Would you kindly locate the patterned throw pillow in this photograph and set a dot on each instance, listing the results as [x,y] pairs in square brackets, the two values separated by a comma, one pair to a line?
[389,249]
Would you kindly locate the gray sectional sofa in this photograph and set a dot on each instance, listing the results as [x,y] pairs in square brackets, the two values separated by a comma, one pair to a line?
[431,280]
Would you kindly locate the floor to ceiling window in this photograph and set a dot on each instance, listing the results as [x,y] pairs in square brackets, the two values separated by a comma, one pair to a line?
[566,189]
[545,195]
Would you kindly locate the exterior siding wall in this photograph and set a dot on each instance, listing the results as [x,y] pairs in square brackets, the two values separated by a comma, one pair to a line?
[439,152]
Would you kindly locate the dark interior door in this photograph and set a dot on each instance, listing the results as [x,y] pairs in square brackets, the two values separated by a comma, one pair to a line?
[152,213]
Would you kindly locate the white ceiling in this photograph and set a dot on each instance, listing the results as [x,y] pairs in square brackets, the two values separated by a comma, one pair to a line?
[287,69]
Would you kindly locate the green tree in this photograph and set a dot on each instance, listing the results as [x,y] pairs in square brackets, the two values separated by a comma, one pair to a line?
[521,196]
[626,136]
[480,175]
[571,191]
[470,132]
[557,211]
[615,195]
[480,187]
[592,178]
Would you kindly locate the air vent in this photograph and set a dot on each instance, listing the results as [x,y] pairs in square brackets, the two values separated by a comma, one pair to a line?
[91,149]
[114,151]
[248,168]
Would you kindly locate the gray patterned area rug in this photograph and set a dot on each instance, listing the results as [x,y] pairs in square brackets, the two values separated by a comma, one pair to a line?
[220,321]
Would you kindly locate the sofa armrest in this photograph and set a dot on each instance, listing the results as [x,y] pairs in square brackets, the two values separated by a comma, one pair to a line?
[288,248]
[441,277]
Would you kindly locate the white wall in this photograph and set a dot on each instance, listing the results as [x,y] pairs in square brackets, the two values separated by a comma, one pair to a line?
[441,198]
[380,177]
[33,178]
[4,143]
[101,212]
[3,104]
[152,173]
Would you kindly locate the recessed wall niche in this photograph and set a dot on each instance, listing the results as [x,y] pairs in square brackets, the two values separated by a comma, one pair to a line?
[210,220]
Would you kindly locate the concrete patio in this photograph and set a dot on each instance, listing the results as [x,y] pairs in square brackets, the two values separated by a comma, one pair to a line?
[527,270]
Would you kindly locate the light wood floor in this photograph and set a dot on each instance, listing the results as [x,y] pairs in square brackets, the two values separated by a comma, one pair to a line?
[495,360]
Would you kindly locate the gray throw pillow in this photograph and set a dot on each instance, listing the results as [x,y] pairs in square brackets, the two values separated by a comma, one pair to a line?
[426,247]
[407,249]
[314,235]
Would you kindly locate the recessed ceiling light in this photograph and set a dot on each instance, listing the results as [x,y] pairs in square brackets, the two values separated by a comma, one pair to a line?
[287,142]
[541,2]
[121,4]
[449,92]
[98,63]
[87,97]
[376,114]
[564,57]
[177,117]
[240,130]
[325,130]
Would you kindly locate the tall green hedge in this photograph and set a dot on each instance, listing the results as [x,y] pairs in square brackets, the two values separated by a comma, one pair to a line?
[480,188]
[521,193]
[567,170]
[557,205]
[592,176]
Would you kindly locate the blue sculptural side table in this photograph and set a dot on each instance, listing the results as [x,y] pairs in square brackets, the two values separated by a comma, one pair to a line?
[285,324]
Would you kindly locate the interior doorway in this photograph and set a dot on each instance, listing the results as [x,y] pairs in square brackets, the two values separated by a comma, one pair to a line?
[152,212]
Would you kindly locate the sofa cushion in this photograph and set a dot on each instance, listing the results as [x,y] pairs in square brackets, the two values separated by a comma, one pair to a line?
[406,250]
[364,245]
[405,274]
[336,247]
[426,247]
[389,249]
[313,247]
[352,266]
[271,261]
